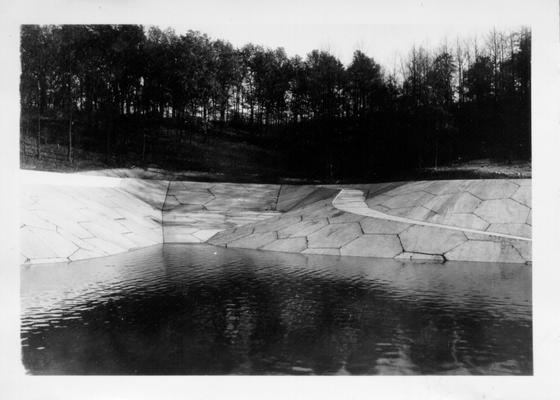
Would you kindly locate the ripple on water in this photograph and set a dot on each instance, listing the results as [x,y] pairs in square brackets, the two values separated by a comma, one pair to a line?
[196,309]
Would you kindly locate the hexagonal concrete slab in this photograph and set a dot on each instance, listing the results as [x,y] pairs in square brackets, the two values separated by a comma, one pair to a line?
[235,203]
[408,200]
[377,200]
[105,246]
[174,235]
[417,213]
[469,221]
[290,245]
[384,246]
[430,240]
[223,238]
[183,208]
[150,192]
[342,217]
[334,236]
[453,203]
[243,196]
[205,234]
[32,245]
[490,189]
[34,220]
[182,186]
[382,226]
[201,197]
[318,211]
[254,241]
[502,211]
[291,196]
[487,251]
[447,186]
[276,224]
[522,230]
[407,188]
[523,196]
[82,254]
[303,228]
[322,251]
[524,248]
[105,232]
[170,203]
[521,182]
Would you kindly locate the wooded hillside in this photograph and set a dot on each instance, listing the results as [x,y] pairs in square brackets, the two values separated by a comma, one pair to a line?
[152,96]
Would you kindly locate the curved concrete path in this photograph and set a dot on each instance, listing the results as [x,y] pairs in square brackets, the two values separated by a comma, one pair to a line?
[353,201]
[501,206]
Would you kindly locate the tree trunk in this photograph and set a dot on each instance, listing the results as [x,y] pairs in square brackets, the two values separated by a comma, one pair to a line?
[70,131]
[205,124]
[436,155]
[144,146]
[70,138]
[252,112]
[39,135]
[108,129]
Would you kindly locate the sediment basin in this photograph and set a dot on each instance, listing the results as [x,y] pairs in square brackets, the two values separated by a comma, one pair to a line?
[69,217]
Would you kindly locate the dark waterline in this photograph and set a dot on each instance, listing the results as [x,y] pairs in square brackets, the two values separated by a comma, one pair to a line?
[196,309]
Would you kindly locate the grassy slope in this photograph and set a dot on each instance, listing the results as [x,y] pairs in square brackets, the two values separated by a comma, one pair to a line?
[229,158]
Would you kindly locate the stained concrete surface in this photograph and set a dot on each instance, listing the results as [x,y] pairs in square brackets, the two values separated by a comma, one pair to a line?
[72,216]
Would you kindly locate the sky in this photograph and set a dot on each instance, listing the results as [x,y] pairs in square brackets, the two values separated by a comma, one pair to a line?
[385,43]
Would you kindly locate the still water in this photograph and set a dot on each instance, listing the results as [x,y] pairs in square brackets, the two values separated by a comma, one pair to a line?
[197,309]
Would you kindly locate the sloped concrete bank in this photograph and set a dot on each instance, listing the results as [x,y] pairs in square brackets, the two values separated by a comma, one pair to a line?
[71,217]
[423,239]
[68,217]
[344,225]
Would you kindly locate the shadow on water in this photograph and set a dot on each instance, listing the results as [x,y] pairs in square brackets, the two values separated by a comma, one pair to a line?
[197,309]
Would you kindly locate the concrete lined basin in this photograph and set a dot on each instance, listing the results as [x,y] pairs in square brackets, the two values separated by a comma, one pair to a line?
[68,217]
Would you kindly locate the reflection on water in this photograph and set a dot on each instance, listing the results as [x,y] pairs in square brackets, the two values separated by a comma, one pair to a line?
[196,309]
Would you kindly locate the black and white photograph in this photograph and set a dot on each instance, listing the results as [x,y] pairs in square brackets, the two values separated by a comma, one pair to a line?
[203,197]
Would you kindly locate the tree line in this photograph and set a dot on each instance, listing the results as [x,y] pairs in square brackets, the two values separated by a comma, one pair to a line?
[121,89]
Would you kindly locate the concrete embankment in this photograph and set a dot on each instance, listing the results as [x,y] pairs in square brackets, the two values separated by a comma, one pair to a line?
[67,217]
[70,217]
[344,225]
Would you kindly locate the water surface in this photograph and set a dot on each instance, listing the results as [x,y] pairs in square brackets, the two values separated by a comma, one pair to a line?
[198,309]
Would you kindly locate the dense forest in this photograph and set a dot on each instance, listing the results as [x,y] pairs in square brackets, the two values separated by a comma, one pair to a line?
[130,93]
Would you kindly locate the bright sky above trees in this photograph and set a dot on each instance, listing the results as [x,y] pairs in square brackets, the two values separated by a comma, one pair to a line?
[385,43]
